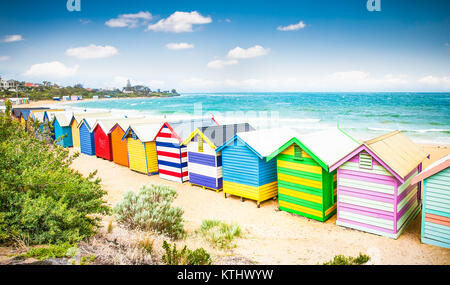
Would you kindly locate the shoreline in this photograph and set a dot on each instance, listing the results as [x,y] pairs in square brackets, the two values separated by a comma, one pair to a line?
[51,103]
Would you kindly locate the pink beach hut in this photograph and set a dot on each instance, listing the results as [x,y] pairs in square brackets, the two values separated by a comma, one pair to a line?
[374,190]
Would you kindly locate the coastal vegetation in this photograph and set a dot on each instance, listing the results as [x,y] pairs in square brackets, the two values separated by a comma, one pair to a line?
[42,200]
[185,256]
[151,209]
[43,92]
[343,260]
[220,234]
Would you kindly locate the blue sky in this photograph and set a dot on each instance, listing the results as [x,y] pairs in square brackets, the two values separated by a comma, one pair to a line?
[212,46]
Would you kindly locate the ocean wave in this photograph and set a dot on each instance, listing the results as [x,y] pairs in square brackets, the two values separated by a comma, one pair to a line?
[430,130]
[380,129]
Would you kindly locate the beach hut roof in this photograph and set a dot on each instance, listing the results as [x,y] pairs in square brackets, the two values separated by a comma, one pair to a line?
[144,132]
[64,118]
[326,147]
[216,136]
[183,129]
[18,111]
[51,113]
[124,124]
[396,150]
[262,142]
[80,116]
[431,170]
[38,115]
[90,122]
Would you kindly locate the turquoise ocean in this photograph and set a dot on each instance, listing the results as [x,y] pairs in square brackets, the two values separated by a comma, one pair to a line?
[424,117]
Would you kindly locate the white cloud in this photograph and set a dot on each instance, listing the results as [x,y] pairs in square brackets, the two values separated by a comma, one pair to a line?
[54,69]
[178,46]
[293,27]
[85,21]
[129,20]
[240,53]
[92,51]
[219,63]
[12,38]
[199,82]
[435,80]
[4,57]
[349,75]
[180,22]
[338,81]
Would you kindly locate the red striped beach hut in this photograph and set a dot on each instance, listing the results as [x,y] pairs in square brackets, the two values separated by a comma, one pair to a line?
[172,154]
[374,189]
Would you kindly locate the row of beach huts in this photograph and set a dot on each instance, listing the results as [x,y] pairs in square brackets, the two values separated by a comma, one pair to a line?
[373,186]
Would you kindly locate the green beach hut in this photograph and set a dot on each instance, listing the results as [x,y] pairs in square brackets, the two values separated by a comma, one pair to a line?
[305,185]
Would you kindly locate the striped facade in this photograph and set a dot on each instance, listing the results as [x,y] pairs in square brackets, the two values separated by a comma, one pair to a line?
[141,155]
[205,166]
[204,161]
[87,142]
[247,175]
[63,131]
[304,187]
[172,156]
[372,199]
[436,203]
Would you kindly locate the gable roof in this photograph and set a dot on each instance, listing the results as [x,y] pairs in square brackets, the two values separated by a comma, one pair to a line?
[51,113]
[262,142]
[18,111]
[325,147]
[183,129]
[78,117]
[64,118]
[38,115]
[395,151]
[216,136]
[124,124]
[400,153]
[431,170]
[144,132]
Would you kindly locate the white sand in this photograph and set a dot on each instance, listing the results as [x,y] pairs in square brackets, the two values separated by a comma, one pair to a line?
[271,236]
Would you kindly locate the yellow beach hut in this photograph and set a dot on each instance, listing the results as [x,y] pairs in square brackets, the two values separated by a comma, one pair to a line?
[141,147]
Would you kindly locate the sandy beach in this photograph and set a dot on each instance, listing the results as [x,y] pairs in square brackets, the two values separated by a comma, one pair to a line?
[272,236]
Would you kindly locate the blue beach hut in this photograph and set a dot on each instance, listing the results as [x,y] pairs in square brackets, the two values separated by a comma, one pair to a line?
[246,171]
[62,129]
[87,142]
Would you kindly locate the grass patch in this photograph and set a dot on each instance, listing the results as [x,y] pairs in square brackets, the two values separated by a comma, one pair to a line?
[220,234]
[50,251]
[185,256]
[147,245]
[343,260]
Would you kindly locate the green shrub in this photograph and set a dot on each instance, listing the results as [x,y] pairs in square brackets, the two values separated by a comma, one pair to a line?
[42,200]
[342,260]
[173,256]
[50,251]
[151,209]
[219,233]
